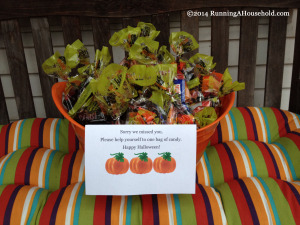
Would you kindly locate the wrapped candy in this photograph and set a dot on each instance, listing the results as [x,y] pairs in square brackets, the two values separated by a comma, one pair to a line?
[142,75]
[203,64]
[148,30]
[206,116]
[165,76]
[102,59]
[125,37]
[182,42]
[227,85]
[164,56]
[56,66]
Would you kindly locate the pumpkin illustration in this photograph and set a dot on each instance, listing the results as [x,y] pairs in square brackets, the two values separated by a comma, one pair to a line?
[165,163]
[141,164]
[117,165]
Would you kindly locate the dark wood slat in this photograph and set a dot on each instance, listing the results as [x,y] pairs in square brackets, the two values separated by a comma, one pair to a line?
[294,105]
[220,40]
[130,21]
[247,59]
[275,61]
[4,119]
[120,8]
[190,25]
[161,22]
[71,29]
[18,68]
[101,33]
[43,50]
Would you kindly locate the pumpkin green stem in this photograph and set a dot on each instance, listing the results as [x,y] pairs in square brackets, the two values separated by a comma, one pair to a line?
[118,156]
[143,156]
[166,155]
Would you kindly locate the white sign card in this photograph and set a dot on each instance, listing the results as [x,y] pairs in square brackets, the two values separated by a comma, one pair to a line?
[140,159]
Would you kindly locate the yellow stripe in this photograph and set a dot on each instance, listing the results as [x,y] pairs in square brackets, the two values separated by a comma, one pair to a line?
[77,166]
[238,159]
[11,137]
[214,205]
[18,208]
[163,209]
[35,167]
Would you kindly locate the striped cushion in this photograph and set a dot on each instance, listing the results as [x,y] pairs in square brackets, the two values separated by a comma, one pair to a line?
[256,124]
[42,167]
[261,201]
[56,134]
[71,206]
[21,204]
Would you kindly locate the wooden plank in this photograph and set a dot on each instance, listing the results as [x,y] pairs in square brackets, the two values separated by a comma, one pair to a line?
[161,22]
[43,50]
[220,40]
[18,68]
[247,59]
[130,21]
[4,119]
[120,8]
[190,25]
[275,61]
[71,29]
[101,33]
[294,105]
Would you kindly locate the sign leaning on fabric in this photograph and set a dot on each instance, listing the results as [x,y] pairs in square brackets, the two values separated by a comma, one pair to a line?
[140,159]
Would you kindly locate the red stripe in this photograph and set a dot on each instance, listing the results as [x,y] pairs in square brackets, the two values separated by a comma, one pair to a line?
[280,121]
[35,130]
[4,199]
[21,167]
[268,160]
[71,139]
[291,199]
[248,123]
[200,208]
[295,138]
[147,210]
[241,203]
[99,212]
[214,138]
[65,170]
[2,140]
[47,210]
[225,161]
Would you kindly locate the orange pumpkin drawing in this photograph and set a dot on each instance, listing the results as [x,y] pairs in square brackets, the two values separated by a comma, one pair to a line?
[165,163]
[117,165]
[141,164]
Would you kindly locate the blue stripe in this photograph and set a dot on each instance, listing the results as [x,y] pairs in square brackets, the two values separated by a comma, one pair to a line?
[78,203]
[20,134]
[288,159]
[57,135]
[34,205]
[128,210]
[4,167]
[267,124]
[275,213]
[234,125]
[177,209]
[47,175]
[251,158]
[209,170]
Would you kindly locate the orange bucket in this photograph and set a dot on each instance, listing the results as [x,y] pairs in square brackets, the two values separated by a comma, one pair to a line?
[203,135]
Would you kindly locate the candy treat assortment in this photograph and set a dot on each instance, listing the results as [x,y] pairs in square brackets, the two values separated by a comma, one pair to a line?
[150,86]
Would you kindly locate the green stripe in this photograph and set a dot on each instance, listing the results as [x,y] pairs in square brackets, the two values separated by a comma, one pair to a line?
[55,170]
[2,187]
[34,205]
[211,178]
[57,134]
[272,121]
[230,208]
[38,212]
[77,204]
[239,119]
[250,158]
[128,210]
[283,208]
[217,170]
[48,167]
[177,209]
[11,167]
[64,136]
[26,134]
[187,209]
[87,206]
[20,134]
[267,124]
[234,126]
[136,210]
[287,156]
[4,168]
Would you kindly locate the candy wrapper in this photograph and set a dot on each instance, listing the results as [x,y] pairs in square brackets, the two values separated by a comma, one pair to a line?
[76,54]
[144,50]
[142,75]
[178,114]
[164,56]
[148,30]
[206,116]
[203,64]
[56,66]
[228,87]
[125,37]
[182,42]
[211,84]
[102,59]
[165,76]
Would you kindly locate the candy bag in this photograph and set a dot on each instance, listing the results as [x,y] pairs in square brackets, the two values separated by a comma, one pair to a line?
[227,85]
[206,116]
[142,75]
[56,66]
[178,114]
[76,54]
[125,37]
[102,59]
[144,51]
[203,64]
[182,42]
[148,30]
[166,75]
[164,56]
[210,84]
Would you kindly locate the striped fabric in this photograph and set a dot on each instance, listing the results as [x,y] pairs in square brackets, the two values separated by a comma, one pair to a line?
[71,206]
[42,167]
[56,134]
[256,124]
[261,201]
